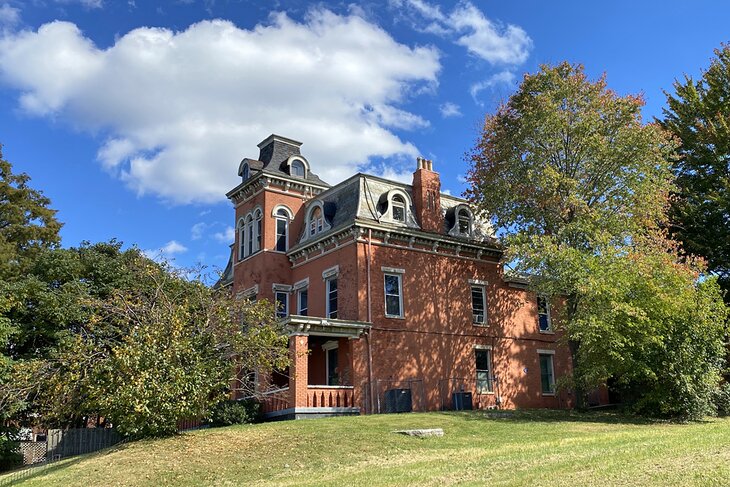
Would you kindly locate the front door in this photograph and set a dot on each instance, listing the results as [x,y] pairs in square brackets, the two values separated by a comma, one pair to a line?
[333,372]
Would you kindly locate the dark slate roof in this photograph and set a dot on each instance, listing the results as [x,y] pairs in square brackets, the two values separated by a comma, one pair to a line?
[226,278]
[274,151]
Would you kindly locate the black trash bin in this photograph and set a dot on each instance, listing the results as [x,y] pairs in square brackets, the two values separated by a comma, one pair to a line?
[462,401]
[398,401]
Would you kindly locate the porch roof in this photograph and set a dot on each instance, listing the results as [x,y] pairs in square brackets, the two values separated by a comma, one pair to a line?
[311,325]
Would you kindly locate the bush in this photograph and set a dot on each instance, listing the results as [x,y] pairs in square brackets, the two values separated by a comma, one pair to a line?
[722,399]
[235,412]
[10,456]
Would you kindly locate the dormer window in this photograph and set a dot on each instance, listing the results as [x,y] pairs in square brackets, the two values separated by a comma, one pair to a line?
[245,172]
[316,221]
[464,222]
[297,169]
[399,208]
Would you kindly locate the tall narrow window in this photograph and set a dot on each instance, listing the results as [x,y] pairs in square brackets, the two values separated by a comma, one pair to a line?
[478,305]
[303,302]
[399,208]
[316,221]
[332,298]
[259,227]
[282,301]
[393,295]
[249,235]
[464,222]
[543,313]
[241,240]
[547,376]
[484,368]
[282,231]
[245,172]
[333,376]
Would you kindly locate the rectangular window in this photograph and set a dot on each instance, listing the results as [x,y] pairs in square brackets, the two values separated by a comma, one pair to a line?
[333,376]
[484,368]
[543,313]
[393,295]
[478,305]
[250,237]
[332,298]
[547,375]
[282,308]
[281,242]
[259,224]
[302,298]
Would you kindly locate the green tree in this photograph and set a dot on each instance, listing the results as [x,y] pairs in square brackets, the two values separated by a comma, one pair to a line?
[27,224]
[579,188]
[109,333]
[698,115]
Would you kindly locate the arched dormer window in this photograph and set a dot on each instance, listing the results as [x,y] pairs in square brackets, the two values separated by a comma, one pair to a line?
[298,166]
[283,216]
[463,222]
[399,208]
[258,229]
[316,221]
[245,171]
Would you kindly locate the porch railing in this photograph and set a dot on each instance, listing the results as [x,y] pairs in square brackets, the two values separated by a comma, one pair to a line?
[330,396]
[276,400]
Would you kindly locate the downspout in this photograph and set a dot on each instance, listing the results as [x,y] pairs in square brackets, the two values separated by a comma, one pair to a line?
[370,320]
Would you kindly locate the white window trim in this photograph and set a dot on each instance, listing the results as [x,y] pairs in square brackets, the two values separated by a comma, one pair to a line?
[308,220]
[249,292]
[454,230]
[299,299]
[485,320]
[330,272]
[285,301]
[490,372]
[282,288]
[400,295]
[393,270]
[287,220]
[304,283]
[551,353]
[301,159]
[327,281]
[327,346]
[478,282]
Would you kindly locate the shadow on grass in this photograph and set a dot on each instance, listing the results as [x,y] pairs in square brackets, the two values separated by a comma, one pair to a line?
[555,416]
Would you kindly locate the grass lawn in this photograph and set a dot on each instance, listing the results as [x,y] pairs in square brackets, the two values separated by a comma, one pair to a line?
[520,448]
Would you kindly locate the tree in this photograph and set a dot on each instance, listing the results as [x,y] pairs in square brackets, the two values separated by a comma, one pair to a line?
[698,115]
[102,332]
[27,224]
[579,188]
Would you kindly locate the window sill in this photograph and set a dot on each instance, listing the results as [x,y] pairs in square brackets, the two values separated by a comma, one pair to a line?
[485,393]
[483,325]
[548,394]
[547,332]
[249,256]
[395,317]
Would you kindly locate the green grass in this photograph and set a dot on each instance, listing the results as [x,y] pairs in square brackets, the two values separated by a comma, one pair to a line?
[522,448]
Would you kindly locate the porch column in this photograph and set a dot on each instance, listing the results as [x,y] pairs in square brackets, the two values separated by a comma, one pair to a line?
[298,370]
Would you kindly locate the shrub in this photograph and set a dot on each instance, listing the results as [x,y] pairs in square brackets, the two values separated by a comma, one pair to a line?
[722,399]
[236,412]
[10,456]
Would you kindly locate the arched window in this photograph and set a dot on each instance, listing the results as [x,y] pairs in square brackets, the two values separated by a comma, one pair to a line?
[464,221]
[258,228]
[245,172]
[399,208]
[316,221]
[249,237]
[298,169]
[241,239]
[282,230]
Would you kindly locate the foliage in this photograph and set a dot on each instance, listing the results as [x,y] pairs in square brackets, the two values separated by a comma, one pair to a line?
[698,115]
[27,225]
[229,412]
[580,187]
[110,333]
[722,399]
[9,448]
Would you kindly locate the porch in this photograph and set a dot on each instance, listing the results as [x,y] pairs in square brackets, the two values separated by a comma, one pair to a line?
[320,381]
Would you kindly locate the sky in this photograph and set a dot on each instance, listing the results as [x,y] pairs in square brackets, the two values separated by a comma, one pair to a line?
[133,116]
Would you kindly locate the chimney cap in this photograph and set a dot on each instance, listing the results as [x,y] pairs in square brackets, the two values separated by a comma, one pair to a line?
[423,163]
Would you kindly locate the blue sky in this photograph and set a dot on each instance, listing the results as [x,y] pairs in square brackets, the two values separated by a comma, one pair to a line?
[133,116]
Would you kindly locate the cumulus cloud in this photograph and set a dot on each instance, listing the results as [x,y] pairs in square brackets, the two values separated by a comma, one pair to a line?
[85,3]
[178,110]
[449,110]
[197,230]
[167,251]
[226,236]
[467,26]
[9,16]
[504,77]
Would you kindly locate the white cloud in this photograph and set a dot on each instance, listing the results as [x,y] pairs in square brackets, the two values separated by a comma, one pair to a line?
[461,178]
[167,251]
[504,77]
[449,110]
[196,231]
[85,3]
[180,109]
[9,16]
[226,236]
[467,26]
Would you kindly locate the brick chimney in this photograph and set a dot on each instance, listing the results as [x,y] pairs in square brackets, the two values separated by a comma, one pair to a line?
[427,196]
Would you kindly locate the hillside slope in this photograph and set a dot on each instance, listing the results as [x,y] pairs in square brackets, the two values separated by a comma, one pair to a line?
[524,448]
